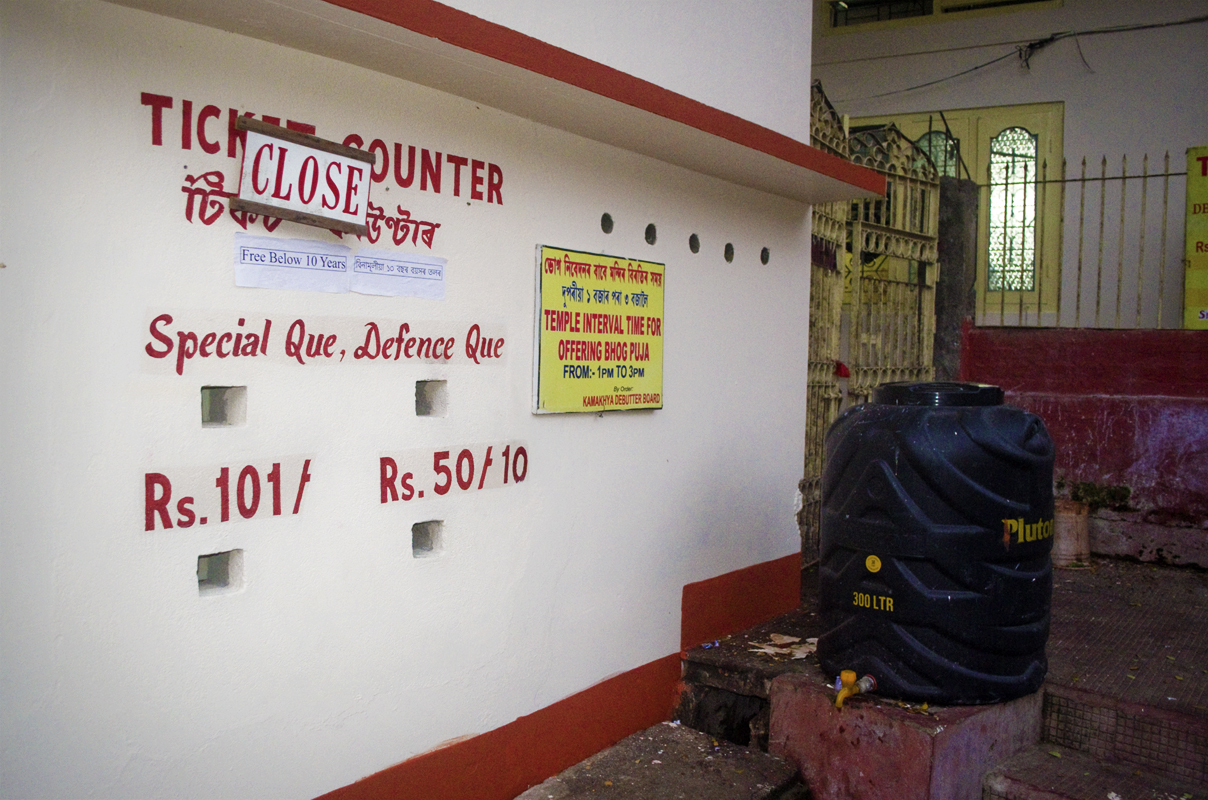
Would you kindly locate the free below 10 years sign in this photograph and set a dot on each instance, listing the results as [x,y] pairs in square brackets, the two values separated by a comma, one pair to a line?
[599,332]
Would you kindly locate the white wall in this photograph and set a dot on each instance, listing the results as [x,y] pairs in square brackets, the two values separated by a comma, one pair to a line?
[343,654]
[1139,94]
[1124,94]
[749,58]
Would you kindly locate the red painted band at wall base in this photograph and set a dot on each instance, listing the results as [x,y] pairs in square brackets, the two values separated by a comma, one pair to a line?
[737,600]
[500,764]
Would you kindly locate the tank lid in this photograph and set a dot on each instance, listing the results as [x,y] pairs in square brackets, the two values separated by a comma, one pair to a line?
[937,393]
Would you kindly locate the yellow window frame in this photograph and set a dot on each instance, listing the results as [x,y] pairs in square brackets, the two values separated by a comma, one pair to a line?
[974,128]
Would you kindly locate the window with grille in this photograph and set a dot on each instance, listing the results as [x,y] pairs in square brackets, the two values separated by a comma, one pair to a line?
[1012,234]
[857,12]
[943,150]
[852,13]
[1027,203]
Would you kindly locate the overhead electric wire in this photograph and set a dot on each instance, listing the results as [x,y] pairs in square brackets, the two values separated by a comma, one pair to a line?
[1025,52]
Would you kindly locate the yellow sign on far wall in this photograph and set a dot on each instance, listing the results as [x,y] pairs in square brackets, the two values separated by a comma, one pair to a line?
[1195,292]
[599,332]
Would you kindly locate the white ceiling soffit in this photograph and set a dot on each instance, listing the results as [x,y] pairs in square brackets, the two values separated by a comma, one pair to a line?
[435,45]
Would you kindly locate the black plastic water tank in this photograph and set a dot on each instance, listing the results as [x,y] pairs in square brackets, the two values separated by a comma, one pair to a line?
[937,522]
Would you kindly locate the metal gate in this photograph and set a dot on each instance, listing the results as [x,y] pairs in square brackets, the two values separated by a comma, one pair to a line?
[823,396]
[872,287]
[892,273]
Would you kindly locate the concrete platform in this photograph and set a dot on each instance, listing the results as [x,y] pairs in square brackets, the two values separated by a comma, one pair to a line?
[876,749]
[669,761]
[1127,682]
[1134,632]
[727,682]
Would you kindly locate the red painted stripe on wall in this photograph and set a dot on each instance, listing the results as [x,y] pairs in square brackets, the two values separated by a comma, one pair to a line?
[500,764]
[737,600]
[1170,363]
[458,28]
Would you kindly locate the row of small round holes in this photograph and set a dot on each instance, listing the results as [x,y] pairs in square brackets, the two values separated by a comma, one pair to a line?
[606,225]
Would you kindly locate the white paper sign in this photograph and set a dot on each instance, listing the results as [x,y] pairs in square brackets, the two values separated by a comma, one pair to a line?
[267,263]
[264,262]
[385,272]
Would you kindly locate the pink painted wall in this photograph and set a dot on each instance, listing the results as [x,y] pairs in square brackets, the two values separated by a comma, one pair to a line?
[1124,407]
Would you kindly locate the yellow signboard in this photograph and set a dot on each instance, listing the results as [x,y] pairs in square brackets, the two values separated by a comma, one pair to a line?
[599,332]
[1195,292]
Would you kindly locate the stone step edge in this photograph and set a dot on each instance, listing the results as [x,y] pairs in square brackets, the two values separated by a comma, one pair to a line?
[669,759]
[1161,740]
[1052,772]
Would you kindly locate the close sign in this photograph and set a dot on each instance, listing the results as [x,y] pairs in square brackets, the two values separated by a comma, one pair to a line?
[302,178]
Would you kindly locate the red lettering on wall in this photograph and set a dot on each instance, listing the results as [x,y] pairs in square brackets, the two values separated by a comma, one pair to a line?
[479,346]
[430,171]
[185,508]
[476,178]
[494,184]
[207,113]
[303,479]
[186,348]
[398,160]
[186,124]
[389,472]
[158,103]
[188,345]
[458,162]
[206,193]
[156,483]
[163,339]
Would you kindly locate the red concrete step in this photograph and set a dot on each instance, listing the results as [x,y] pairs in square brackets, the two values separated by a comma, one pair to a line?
[1052,772]
[879,749]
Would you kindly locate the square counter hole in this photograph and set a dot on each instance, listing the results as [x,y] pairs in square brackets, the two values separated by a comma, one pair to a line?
[431,398]
[219,573]
[426,538]
[222,406]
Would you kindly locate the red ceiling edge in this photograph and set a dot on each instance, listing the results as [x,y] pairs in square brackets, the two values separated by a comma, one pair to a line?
[468,32]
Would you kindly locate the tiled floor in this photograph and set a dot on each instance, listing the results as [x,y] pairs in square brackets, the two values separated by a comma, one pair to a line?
[1128,666]
[1136,632]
